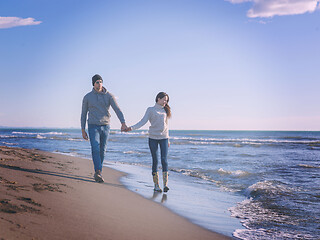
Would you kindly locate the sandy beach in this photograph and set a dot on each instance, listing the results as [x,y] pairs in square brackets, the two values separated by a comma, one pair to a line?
[52,196]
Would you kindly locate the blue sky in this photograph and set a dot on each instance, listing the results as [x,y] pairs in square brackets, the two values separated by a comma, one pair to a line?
[226,65]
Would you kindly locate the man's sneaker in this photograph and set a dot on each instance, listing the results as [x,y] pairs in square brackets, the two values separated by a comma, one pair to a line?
[97,177]
[165,189]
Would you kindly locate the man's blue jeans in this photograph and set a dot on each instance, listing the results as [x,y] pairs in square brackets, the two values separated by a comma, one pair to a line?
[153,145]
[98,135]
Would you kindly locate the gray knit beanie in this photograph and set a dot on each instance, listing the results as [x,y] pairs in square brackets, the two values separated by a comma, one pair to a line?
[96,78]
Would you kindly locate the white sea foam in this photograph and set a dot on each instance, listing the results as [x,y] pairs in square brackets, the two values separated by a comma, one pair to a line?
[55,133]
[270,188]
[131,152]
[247,141]
[138,133]
[258,234]
[308,166]
[195,173]
[251,212]
[75,139]
[10,144]
[40,136]
[73,154]
[24,133]
[238,173]
[37,133]
[6,136]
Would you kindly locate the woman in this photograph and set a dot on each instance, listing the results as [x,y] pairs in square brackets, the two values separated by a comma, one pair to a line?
[158,135]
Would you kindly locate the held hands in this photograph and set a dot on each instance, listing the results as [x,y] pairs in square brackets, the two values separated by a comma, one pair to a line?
[125,128]
[128,129]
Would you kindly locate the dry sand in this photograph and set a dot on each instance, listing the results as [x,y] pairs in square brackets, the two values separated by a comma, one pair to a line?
[52,196]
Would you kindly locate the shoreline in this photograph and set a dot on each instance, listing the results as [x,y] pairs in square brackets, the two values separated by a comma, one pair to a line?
[47,195]
[207,208]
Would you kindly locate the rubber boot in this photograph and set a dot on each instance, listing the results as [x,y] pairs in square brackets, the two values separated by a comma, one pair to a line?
[165,181]
[156,182]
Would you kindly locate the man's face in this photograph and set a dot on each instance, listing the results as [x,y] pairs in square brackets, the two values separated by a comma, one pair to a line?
[98,85]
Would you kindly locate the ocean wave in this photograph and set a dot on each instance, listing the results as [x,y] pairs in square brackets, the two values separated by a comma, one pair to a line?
[134,152]
[246,155]
[308,166]
[40,136]
[246,141]
[73,154]
[251,210]
[237,145]
[6,136]
[314,146]
[138,133]
[269,188]
[195,173]
[220,177]
[39,133]
[258,220]
[195,143]
[75,139]
[301,138]
[126,163]
[64,139]
[257,234]
[237,173]
[10,144]
[43,136]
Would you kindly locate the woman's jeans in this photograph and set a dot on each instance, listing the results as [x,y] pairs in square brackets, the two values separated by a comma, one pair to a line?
[98,135]
[153,145]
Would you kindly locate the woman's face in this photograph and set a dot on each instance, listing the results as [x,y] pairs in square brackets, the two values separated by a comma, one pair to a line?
[163,101]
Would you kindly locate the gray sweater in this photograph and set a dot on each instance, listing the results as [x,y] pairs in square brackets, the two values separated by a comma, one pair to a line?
[98,104]
[159,122]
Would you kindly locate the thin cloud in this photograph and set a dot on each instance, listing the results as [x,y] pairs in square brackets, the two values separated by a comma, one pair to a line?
[9,22]
[271,8]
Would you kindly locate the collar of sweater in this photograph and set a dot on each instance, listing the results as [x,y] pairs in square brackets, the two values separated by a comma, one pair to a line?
[158,106]
[104,91]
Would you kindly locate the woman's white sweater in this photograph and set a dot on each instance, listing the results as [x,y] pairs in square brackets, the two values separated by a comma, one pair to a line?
[157,117]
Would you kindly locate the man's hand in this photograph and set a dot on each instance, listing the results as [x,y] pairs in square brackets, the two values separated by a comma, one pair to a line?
[84,134]
[128,129]
[124,127]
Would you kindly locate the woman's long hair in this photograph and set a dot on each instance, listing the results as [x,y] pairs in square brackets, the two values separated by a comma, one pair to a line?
[166,107]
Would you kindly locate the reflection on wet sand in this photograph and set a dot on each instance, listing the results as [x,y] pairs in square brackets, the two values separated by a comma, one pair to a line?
[156,194]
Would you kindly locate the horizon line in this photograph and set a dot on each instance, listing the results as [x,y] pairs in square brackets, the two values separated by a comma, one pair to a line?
[247,130]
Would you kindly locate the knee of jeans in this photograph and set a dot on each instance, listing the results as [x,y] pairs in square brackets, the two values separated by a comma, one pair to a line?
[95,146]
[103,147]
[163,158]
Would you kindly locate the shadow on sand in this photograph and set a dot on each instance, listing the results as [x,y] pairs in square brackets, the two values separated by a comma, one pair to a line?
[56,174]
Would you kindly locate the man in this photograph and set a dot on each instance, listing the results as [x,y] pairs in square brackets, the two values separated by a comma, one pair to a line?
[96,104]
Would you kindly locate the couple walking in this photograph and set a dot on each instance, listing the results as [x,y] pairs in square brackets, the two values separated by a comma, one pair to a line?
[96,106]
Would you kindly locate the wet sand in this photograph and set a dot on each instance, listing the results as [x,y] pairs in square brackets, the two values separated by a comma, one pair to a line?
[53,196]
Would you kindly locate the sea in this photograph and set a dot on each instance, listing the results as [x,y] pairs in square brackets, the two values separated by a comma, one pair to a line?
[243,184]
